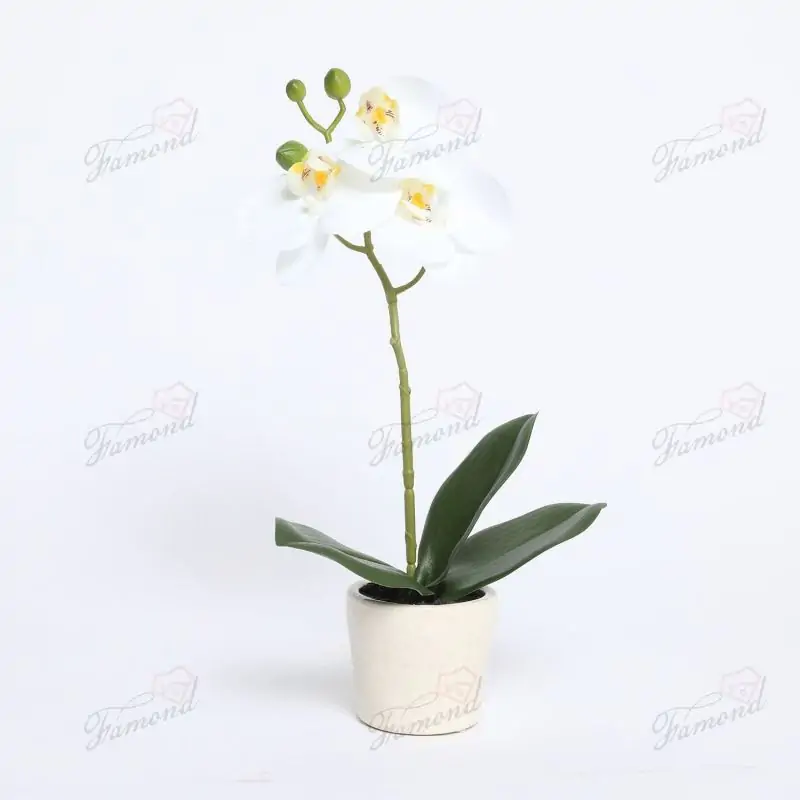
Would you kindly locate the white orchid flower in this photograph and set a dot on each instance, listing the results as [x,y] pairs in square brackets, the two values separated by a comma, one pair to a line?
[317,197]
[420,209]
[444,211]
[403,121]
[403,137]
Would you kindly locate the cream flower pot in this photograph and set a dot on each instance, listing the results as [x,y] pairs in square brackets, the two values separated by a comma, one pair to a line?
[419,668]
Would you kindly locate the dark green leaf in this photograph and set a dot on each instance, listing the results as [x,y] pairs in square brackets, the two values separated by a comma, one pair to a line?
[463,496]
[491,554]
[301,537]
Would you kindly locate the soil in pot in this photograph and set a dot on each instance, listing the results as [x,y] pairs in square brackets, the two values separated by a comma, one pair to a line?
[408,597]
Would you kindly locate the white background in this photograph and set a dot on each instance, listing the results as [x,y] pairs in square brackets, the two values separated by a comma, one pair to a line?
[621,306]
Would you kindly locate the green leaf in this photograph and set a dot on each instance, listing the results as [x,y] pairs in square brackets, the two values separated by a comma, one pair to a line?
[301,537]
[491,554]
[463,496]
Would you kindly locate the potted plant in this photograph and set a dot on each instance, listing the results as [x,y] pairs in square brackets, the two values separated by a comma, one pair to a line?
[419,636]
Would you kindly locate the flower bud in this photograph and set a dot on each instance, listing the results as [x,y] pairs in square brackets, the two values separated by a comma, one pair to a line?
[337,84]
[295,90]
[289,153]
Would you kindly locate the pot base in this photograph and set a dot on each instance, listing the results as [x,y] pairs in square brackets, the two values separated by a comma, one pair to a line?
[388,733]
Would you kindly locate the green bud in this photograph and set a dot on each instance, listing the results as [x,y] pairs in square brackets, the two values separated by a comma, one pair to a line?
[289,153]
[295,90]
[337,84]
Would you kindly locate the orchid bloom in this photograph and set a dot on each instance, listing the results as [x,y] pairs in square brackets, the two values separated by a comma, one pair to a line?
[421,208]
[398,121]
[443,213]
[318,197]
[403,136]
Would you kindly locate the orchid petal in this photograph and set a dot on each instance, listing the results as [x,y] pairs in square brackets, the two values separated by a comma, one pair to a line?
[402,242]
[352,130]
[356,206]
[418,106]
[429,122]
[293,265]
[364,156]
[479,211]
[276,214]
[419,102]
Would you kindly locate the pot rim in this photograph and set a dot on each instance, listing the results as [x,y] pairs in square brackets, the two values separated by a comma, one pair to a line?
[489,595]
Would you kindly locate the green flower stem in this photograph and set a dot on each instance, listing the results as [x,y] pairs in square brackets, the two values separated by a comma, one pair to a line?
[407,445]
[388,289]
[313,123]
[391,294]
[337,120]
[326,132]
[349,245]
[406,286]
[405,406]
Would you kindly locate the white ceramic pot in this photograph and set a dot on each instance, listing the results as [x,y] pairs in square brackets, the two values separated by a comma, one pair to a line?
[419,669]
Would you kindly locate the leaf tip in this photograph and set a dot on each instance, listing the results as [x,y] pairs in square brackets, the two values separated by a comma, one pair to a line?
[280,530]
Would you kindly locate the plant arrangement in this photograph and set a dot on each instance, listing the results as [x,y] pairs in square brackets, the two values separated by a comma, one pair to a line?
[329,193]
[419,636]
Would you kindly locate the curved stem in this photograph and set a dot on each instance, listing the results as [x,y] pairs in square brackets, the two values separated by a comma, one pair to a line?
[312,122]
[417,278]
[405,438]
[405,408]
[326,132]
[349,245]
[409,511]
[337,120]
[388,289]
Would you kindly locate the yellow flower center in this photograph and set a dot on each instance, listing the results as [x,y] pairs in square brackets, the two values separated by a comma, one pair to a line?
[418,201]
[379,112]
[312,177]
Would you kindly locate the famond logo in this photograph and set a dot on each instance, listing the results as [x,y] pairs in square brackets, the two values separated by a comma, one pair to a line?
[456,410]
[176,403]
[176,119]
[461,118]
[745,119]
[178,687]
[744,403]
[456,695]
[741,694]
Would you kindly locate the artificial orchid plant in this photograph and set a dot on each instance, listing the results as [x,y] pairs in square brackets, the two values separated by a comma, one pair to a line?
[428,214]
